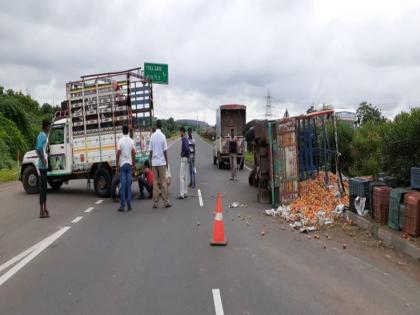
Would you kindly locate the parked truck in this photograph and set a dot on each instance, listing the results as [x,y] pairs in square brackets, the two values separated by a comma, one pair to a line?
[83,137]
[228,117]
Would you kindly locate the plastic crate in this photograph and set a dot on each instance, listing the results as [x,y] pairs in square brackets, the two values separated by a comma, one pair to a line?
[415,177]
[411,224]
[402,209]
[390,181]
[395,199]
[371,186]
[359,187]
[381,204]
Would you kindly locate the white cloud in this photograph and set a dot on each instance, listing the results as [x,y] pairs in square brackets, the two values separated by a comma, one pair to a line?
[304,52]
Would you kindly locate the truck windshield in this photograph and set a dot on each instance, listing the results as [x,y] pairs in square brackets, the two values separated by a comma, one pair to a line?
[57,135]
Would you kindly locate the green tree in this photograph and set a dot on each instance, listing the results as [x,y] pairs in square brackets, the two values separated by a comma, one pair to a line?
[366,148]
[367,112]
[401,145]
[11,108]
[12,141]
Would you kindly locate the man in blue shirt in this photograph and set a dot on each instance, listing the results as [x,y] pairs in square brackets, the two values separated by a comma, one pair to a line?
[41,151]
[185,155]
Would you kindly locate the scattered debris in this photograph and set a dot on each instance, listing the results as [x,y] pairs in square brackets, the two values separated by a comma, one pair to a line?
[317,205]
[344,245]
[234,205]
[198,223]
[262,233]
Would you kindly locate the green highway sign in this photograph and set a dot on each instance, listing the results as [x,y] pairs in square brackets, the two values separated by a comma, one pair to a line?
[157,72]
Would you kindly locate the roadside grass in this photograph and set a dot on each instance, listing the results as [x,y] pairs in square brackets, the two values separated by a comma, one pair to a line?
[249,158]
[7,175]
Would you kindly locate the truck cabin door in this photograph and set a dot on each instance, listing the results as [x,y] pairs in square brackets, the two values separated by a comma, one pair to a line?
[58,157]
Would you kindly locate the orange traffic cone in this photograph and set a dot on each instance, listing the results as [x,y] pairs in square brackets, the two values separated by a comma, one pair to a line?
[218,238]
[218,203]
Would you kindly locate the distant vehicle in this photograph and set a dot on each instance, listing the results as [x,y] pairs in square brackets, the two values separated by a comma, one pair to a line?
[231,116]
[83,138]
[345,115]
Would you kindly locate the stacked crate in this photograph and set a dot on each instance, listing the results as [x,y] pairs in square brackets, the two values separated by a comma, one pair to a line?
[371,186]
[415,177]
[395,215]
[359,187]
[381,204]
[411,224]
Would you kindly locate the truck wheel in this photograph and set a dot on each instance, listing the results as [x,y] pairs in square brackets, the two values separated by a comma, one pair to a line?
[115,187]
[55,184]
[102,182]
[219,162]
[30,180]
[241,166]
[251,178]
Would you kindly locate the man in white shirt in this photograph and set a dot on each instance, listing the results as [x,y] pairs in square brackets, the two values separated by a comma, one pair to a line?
[159,157]
[126,162]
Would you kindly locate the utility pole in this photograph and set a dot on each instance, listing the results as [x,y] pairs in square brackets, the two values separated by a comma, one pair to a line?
[268,105]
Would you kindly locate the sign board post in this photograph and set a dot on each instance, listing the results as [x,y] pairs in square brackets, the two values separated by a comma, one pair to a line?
[157,72]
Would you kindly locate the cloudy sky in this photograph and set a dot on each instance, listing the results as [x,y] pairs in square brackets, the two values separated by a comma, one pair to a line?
[305,52]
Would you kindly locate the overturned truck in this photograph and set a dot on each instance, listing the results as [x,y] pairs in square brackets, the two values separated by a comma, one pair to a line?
[289,150]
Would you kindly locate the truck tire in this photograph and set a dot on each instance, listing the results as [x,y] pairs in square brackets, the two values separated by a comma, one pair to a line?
[219,162]
[102,182]
[115,187]
[55,184]
[251,178]
[30,180]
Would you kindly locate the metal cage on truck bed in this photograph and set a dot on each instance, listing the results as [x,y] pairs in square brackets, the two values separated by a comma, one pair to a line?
[100,104]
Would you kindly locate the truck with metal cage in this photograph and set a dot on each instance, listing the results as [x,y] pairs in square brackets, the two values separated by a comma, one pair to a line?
[83,137]
[228,117]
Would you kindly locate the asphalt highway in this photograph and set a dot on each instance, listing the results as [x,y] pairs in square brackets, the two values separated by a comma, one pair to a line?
[90,259]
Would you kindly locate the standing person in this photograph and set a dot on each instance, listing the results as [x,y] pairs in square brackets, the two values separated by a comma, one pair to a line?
[233,150]
[185,155]
[191,161]
[126,162]
[159,157]
[41,151]
[146,181]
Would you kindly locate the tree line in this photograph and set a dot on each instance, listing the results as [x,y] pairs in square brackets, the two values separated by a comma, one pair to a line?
[20,121]
[377,144]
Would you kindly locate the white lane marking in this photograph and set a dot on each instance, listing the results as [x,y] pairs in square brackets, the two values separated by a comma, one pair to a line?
[21,255]
[99,201]
[89,209]
[217,302]
[200,198]
[248,168]
[35,251]
[77,219]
